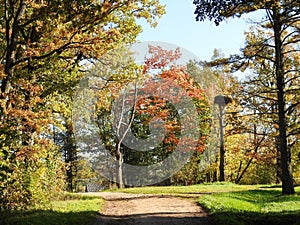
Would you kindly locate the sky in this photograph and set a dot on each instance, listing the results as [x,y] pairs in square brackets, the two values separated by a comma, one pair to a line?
[179,27]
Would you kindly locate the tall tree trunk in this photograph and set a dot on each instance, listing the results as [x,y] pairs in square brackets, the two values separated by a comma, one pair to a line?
[208,175]
[12,27]
[287,180]
[119,166]
[119,154]
[215,176]
[278,161]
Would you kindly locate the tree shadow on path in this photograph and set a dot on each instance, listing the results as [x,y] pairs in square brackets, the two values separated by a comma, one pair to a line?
[153,219]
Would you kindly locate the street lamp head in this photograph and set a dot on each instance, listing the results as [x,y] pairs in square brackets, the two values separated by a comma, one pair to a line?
[222,100]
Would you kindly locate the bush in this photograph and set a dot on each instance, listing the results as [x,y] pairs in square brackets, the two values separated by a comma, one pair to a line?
[32,182]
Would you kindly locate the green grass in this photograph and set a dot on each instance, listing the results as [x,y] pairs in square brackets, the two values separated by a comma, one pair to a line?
[189,190]
[73,210]
[259,207]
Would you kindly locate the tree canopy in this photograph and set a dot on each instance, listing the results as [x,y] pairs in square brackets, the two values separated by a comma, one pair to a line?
[281,19]
[45,46]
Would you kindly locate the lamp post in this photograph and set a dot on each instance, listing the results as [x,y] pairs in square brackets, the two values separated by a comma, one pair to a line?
[222,101]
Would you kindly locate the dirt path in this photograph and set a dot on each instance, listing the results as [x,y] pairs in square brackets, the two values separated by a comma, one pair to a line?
[135,209]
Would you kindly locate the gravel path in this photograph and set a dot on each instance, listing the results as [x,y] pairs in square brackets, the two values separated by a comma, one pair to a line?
[135,209]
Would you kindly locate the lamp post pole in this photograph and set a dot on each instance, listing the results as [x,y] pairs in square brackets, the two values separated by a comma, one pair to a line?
[222,101]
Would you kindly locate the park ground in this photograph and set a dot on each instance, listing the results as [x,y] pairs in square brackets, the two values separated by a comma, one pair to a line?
[207,204]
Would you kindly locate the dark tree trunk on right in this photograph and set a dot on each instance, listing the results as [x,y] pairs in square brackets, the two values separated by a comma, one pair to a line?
[287,180]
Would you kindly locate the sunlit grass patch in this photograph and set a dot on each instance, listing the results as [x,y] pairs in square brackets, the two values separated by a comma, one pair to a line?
[226,202]
[73,210]
[262,206]
[193,189]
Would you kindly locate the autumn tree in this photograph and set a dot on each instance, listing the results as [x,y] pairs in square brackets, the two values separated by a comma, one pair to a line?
[261,92]
[136,108]
[43,45]
[163,63]
[282,20]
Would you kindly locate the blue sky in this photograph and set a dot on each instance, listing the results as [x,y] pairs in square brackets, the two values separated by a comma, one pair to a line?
[180,28]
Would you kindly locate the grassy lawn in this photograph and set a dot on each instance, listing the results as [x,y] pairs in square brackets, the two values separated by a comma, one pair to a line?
[263,206]
[72,211]
[190,190]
